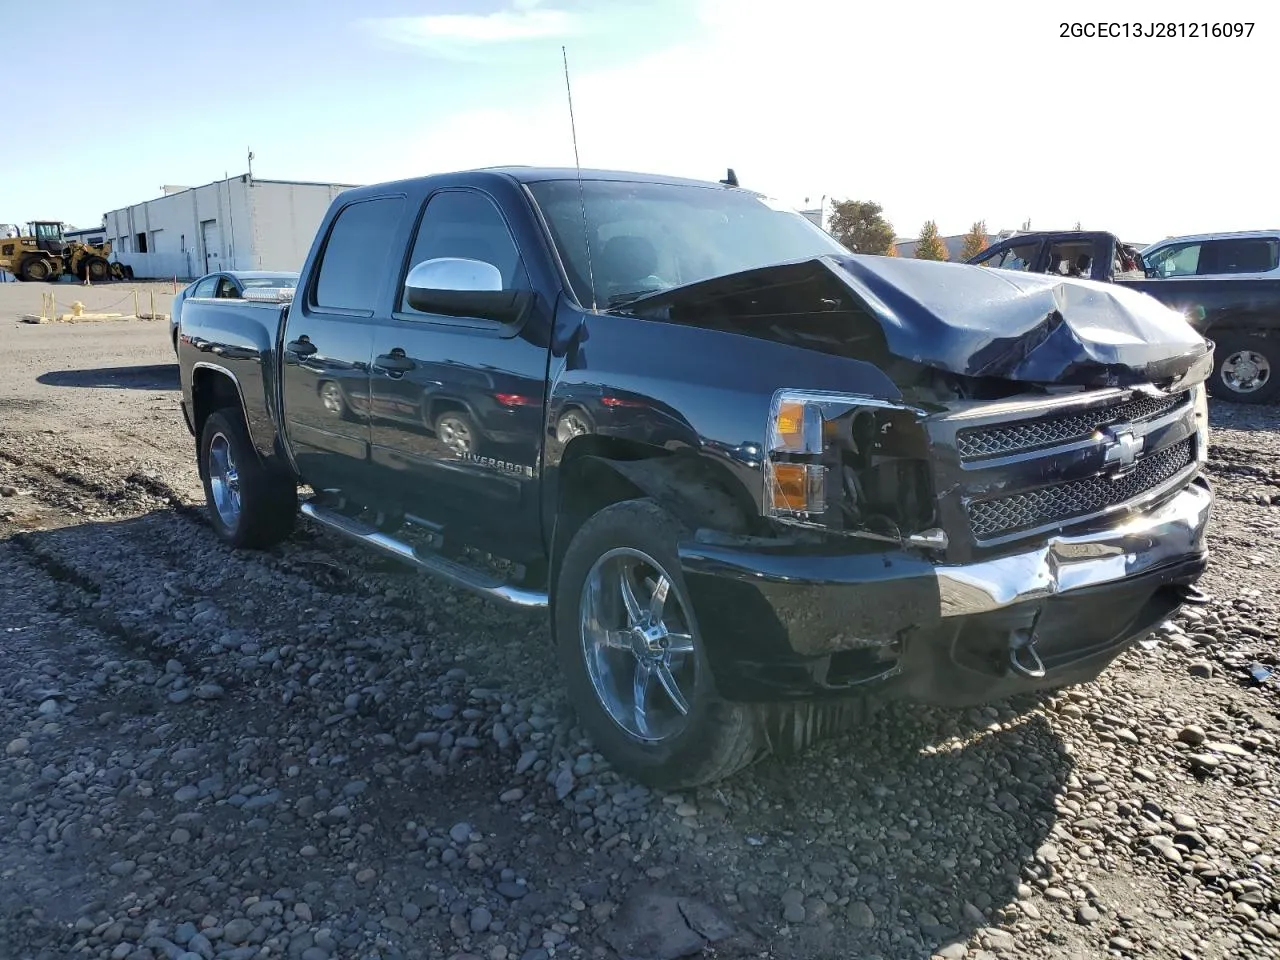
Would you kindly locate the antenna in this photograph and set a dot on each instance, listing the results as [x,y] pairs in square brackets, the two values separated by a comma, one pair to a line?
[250,163]
[731,180]
[582,200]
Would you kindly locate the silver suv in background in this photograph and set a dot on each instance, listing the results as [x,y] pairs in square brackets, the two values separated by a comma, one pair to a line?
[1249,253]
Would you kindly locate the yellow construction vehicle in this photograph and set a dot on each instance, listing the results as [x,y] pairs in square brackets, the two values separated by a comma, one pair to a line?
[43,253]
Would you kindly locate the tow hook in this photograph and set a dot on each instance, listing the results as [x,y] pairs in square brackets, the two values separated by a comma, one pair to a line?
[1023,658]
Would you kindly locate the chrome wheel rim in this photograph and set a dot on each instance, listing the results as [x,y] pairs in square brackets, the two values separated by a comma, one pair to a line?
[455,435]
[638,645]
[1246,371]
[571,425]
[331,397]
[224,481]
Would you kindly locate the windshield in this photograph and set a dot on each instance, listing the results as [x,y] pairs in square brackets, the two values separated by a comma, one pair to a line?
[647,237]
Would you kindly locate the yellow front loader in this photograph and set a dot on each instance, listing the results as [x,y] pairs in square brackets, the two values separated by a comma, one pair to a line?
[43,253]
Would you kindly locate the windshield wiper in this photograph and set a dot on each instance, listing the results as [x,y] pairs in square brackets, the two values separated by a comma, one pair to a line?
[622,299]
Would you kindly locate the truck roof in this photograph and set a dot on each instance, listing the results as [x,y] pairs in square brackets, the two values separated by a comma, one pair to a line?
[529,174]
[1220,235]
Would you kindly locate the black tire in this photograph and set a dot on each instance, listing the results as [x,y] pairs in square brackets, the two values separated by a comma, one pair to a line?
[1261,359]
[452,426]
[37,269]
[268,500]
[97,269]
[715,738]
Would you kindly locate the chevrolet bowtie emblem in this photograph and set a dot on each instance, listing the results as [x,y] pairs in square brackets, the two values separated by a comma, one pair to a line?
[1122,449]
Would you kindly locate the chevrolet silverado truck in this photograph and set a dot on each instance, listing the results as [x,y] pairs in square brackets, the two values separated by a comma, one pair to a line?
[1225,286]
[753,481]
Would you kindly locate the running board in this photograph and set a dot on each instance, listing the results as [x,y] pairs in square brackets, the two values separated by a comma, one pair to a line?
[449,571]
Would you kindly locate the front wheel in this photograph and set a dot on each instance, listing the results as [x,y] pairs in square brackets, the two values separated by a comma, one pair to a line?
[634,658]
[97,269]
[1246,368]
[249,505]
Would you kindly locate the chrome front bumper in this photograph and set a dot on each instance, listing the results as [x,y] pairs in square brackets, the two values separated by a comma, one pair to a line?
[1168,535]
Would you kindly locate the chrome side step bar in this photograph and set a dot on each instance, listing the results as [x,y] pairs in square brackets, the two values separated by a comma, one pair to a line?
[449,571]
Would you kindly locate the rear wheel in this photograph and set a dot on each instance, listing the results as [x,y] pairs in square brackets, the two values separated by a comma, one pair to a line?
[634,658]
[458,432]
[1246,368]
[249,505]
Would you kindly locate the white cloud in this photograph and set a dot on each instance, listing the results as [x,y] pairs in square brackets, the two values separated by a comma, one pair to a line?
[461,32]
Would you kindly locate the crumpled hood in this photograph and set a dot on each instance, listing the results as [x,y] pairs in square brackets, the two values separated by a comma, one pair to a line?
[971,320]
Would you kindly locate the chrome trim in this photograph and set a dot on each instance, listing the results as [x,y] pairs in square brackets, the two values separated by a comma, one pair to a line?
[1182,477]
[971,414]
[1147,425]
[453,573]
[1173,532]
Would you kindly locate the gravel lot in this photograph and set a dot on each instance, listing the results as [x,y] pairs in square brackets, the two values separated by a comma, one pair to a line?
[311,754]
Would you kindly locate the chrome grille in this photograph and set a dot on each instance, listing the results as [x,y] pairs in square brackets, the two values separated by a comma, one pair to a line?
[979,442]
[1079,498]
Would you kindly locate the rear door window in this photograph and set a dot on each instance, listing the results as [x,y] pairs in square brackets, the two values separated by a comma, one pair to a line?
[1239,255]
[353,265]
[1072,258]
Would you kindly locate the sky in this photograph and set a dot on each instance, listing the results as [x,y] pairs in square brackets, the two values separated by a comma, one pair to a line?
[936,110]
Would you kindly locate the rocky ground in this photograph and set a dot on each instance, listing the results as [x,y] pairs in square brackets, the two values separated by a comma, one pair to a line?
[307,754]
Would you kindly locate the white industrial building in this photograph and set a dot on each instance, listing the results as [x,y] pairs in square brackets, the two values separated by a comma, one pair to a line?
[242,223]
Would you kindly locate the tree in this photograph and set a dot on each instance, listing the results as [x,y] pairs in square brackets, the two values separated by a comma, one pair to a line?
[930,245]
[975,241]
[892,251]
[860,225]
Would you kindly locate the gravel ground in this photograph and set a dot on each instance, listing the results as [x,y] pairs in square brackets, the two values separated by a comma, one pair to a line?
[311,754]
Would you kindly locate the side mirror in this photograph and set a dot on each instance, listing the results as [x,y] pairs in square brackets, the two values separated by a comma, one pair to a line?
[458,287]
[453,273]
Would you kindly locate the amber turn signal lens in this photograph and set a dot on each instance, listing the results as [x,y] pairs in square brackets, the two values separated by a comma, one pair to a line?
[790,426]
[797,488]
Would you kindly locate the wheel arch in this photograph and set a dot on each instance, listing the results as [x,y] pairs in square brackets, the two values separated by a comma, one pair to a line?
[438,405]
[215,388]
[597,472]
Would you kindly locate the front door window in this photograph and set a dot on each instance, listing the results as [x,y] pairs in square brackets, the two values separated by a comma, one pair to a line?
[1018,256]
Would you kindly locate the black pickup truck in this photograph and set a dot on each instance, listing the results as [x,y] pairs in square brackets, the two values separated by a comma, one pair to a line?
[749,476]
[1241,315]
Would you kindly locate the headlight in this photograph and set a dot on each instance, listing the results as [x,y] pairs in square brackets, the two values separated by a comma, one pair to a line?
[849,464]
[1200,397]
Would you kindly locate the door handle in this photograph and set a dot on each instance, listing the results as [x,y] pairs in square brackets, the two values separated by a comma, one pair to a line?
[395,361]
[303,347]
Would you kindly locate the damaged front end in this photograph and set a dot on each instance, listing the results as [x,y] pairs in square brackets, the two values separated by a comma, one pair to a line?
[1030,504]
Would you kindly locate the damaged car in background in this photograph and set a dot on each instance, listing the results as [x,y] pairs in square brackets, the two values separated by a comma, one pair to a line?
[753,481]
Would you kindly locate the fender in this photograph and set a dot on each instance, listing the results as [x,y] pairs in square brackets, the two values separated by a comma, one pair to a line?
[691,488]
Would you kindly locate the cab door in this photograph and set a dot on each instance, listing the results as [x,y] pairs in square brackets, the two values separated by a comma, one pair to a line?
[457,388]
[328,341]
